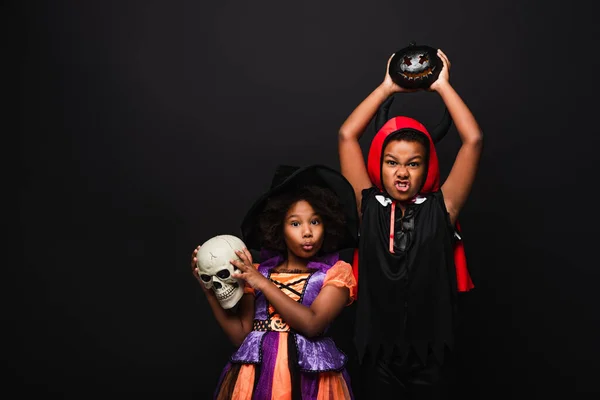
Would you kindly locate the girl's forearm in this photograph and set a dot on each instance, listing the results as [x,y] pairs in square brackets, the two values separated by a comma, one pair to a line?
[296,315]
[232,322]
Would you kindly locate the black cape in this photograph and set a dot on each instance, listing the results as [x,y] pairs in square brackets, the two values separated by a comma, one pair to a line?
[406,298]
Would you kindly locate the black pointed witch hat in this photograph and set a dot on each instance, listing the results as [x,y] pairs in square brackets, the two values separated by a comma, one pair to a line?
[287,177]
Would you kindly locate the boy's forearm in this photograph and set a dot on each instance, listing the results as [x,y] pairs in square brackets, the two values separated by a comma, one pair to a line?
[356,123]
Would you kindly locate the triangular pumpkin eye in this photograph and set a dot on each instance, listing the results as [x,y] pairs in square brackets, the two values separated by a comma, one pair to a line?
[407,61]
[423,59]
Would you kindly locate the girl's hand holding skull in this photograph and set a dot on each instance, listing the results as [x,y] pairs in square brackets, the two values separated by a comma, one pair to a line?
[197,274]
[247,270]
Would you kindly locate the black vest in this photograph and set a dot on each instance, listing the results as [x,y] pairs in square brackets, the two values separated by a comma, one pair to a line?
[406,298]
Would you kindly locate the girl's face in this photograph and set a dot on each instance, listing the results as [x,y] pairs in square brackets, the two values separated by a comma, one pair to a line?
[303,230]
[403,169]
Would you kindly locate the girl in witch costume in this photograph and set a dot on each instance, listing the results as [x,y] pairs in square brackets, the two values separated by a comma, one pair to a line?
[295,293]
[410,262]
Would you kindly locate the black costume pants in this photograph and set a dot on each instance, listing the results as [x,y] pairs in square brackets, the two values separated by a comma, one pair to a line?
[405,377]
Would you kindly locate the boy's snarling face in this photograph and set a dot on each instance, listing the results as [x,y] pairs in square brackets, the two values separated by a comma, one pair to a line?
[403,169]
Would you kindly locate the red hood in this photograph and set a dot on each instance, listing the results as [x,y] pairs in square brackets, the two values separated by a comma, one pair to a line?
[432,183]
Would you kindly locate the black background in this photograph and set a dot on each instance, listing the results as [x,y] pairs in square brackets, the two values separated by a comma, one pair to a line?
[147,127]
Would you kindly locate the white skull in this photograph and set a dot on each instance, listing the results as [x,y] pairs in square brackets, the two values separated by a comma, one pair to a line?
[215,268]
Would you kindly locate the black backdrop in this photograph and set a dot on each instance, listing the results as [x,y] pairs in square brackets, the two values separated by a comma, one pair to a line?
[146,127]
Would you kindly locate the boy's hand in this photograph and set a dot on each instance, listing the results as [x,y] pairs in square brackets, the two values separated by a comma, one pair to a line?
[389,85]
[444,77]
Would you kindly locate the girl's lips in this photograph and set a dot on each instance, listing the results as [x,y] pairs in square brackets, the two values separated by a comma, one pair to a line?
[307,246]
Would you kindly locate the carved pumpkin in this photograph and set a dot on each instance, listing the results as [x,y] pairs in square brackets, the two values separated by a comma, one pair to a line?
[278,325]
[415,67]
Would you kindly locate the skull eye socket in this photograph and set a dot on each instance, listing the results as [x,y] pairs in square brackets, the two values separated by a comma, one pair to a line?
[223,274]
[205,278]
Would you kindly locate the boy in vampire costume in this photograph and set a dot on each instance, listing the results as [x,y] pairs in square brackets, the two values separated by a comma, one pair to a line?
[410,262]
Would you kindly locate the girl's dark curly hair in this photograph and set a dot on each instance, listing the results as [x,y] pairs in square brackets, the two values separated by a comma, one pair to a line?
[323,201]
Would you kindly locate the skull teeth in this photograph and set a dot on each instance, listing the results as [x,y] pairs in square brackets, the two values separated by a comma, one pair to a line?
[227,293]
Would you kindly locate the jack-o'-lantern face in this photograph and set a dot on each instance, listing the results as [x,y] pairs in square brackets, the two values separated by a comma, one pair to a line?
[278,325]
[415,67]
